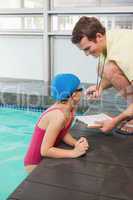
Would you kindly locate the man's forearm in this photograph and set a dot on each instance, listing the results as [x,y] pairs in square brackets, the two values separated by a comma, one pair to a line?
[126,113]
[105,83]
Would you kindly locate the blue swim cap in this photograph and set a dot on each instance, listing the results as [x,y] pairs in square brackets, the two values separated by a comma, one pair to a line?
[63,85]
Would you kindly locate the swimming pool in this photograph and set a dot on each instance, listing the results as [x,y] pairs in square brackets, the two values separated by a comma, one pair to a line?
[16,127]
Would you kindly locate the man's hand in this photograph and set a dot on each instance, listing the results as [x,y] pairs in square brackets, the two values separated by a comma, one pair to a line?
[93,92]
[107,125]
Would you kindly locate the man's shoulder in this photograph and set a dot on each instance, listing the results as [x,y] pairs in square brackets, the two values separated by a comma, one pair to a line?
[117,32]
[118,37]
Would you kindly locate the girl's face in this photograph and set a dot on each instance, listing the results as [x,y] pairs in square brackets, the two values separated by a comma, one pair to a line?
[76,96]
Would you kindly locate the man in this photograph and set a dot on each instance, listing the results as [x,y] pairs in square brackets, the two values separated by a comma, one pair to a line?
[115,51]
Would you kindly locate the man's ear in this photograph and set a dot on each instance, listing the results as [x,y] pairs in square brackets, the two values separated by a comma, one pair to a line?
[99,37]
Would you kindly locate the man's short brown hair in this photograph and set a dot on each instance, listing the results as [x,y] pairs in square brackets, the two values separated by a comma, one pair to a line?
[87,27]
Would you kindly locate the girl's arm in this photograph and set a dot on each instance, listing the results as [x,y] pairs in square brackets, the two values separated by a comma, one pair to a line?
[52,131]
[68,139]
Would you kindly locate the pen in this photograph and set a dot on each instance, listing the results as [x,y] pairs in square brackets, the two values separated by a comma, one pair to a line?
[90,92]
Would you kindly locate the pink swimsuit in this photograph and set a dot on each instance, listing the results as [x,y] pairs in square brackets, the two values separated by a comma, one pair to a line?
[33,155]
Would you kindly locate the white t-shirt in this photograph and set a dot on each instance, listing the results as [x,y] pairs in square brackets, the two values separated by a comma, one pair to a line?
[120,50]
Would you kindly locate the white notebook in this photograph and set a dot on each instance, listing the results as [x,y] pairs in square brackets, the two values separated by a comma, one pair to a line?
[91,120]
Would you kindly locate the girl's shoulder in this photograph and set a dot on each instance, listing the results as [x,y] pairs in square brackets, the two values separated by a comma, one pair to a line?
[52,116]
[54,111]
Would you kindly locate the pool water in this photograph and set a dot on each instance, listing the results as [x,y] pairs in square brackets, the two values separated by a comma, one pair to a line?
[16,127]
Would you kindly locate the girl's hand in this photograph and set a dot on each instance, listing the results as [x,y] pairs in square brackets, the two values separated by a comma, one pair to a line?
[82,140]
[81,147]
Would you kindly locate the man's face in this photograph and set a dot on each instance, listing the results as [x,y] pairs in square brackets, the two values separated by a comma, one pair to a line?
[93,48]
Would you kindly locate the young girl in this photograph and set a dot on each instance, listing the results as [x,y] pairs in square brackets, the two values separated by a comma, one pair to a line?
[53,125]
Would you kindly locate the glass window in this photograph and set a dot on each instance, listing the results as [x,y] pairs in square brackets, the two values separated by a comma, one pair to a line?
[10,3]
[66,22]
[33,3]
[21,3]
[10,23]
[124,22]
[83,3]
[73,3]
[21,23]
[34,23]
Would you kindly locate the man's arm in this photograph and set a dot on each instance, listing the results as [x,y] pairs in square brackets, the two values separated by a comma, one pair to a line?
[105,84]
[108,125]
[126,113]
